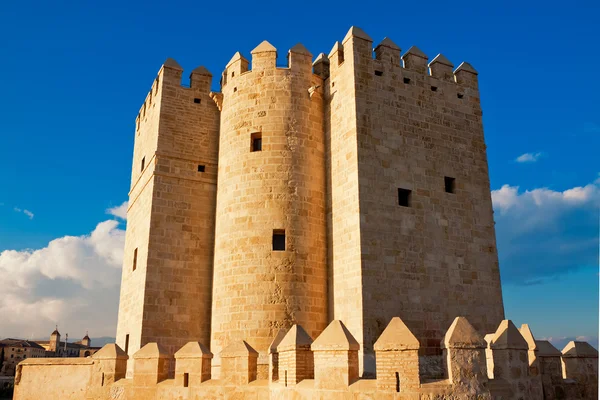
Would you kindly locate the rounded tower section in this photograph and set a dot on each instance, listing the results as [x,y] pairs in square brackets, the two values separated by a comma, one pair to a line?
[270,268]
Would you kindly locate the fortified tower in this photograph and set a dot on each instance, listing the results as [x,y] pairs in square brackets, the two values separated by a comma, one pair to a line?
[167,268]
[354,188]
[54,341]
[412,230]
[270,238]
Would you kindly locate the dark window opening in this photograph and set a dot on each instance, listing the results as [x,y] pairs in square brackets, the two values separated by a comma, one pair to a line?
[143,164]
[404,197]
[235,89]
[332,84]
[186,379]
[397,382]
[378,73]
[449,184]
[102,383]
[278,240]
[127,344]
[286,378]
[233,74]
[201,168]
[407,80]
[256,142]
[434,88]
[197,100]
[460,95]
[135,259]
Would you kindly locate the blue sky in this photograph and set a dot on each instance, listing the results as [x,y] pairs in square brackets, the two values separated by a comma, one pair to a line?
[74,75]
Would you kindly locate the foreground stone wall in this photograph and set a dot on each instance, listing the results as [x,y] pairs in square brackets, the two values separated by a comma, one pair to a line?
[53,378]
[326,368]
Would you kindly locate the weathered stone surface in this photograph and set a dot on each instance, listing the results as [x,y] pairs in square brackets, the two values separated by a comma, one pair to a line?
[462,335]
[508,337]
[335,337]
[193,350]
[295,338]
[396,336]
[546,349]
[579,349]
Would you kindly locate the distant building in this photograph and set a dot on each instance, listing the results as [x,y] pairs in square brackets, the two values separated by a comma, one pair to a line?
[55,348]
[13,351]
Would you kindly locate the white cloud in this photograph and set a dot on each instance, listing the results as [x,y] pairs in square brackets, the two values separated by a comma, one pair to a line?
[528,157]
[119,211]
[19,210]
[73,281]
[562,341]
[543,232]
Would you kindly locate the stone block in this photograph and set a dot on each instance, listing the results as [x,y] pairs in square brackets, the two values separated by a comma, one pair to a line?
[296,361]
[335,357]
[151,365]
[464,351]
[274,356]
[192,364]
[239,363]
[112,362]
[397,358]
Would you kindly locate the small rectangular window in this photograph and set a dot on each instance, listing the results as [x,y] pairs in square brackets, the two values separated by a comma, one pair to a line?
[434,88]
[143,164]
[135,259]
[278,240]
[378,73]
[197,100]
[127,344]
[404,197]
[186,379]
[449,184]
[201,168]
[460,95]
[407,80]
[256,142]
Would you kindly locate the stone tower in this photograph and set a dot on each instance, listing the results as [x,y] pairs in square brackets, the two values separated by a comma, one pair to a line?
[86,341]
[270,241]
[54,340]
[412,229]
[354,188]
[167,269]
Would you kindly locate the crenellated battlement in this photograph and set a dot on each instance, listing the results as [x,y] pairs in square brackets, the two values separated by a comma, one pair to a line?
[386,62]
[329,364]
[264,61]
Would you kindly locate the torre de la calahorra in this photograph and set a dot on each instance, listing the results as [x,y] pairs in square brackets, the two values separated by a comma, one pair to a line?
[322,230]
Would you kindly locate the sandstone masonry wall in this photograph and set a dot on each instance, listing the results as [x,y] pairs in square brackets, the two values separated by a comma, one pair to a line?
[277,189]
[436,257]
[172,206]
